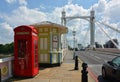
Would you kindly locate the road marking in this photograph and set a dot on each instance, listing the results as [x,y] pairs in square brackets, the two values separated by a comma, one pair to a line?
[97,57]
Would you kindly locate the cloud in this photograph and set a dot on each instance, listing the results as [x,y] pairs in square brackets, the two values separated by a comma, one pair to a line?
[75,10]
[100,6]
[42,7]
[107,10]
[70,1]
[6,31]
[21,2]
[24,15]
[112,10]
[10,1]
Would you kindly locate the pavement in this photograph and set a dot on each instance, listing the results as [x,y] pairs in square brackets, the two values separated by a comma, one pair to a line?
[63,73]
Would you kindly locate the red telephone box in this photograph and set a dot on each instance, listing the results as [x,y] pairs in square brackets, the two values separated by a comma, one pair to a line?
[25,51]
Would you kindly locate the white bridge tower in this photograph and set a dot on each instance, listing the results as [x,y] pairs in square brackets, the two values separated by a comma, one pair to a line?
[65,18]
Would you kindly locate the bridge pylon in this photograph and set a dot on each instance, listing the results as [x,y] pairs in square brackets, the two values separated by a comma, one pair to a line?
[65,19]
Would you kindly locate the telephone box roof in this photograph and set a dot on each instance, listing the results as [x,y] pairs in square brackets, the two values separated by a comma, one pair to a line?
[31,28]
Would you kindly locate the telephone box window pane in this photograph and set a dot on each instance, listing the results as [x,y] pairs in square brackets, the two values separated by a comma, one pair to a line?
[22,48]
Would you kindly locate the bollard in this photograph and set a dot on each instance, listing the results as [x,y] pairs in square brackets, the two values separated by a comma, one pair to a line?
[84,72]
[76,63]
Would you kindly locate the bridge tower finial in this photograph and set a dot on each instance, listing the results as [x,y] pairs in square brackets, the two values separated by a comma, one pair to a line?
[63,19]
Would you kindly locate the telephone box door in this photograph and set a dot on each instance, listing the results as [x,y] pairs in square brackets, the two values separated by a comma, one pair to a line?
[23,54]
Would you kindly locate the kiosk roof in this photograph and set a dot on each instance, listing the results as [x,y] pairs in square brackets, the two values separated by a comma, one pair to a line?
[62,28]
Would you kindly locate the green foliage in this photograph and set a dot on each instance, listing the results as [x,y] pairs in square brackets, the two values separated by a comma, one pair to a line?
[7,48]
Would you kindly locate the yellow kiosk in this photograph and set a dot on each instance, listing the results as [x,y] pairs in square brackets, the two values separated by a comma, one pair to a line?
[49,35]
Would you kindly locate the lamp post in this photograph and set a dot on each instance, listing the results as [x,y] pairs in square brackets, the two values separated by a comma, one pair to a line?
[74,32]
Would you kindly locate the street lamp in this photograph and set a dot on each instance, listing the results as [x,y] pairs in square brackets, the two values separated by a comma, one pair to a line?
[74,32]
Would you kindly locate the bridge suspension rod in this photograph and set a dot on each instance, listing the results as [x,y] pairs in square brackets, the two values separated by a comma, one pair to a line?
[98,23]
[113,28]
[107,35]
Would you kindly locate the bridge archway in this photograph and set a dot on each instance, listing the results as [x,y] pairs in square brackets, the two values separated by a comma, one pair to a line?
[65,19]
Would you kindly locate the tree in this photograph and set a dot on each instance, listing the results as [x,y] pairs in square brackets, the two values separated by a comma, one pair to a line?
[7,48]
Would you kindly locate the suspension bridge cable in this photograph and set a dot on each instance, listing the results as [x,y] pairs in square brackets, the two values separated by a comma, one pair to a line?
[113,28]
[107,35]
[105,31]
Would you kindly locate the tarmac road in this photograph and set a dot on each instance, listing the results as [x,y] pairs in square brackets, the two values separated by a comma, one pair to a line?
[95,61]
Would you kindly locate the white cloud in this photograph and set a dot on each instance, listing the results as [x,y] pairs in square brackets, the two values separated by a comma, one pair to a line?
[75,10]
[112,10]
[107,10]
[23,15]
[6,31]
[6,28]
[100,6]
[22,2]
[42,7]
[70,1]
[10,1]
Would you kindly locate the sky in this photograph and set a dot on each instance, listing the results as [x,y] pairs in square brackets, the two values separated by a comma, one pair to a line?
[25,12]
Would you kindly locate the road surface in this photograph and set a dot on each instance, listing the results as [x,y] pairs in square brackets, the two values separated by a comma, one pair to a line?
[95,60]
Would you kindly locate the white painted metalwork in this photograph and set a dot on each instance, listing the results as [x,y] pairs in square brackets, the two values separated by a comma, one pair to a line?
[65,19]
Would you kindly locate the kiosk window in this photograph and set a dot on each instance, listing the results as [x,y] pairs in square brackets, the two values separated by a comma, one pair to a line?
[43,43]
[36,52]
